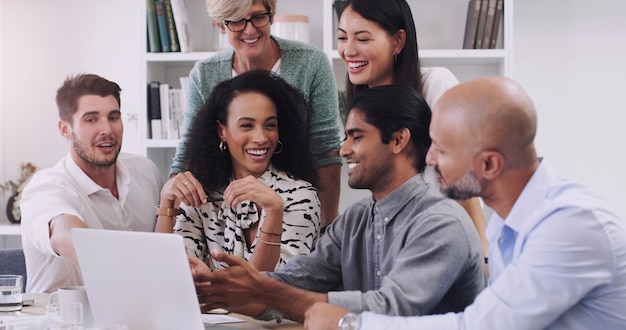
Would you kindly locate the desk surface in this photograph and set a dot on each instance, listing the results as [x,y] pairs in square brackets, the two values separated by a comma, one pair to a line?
[38,309]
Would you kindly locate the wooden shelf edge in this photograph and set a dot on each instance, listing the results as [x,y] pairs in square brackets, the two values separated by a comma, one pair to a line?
[10,229]
[150,143]
[177,57]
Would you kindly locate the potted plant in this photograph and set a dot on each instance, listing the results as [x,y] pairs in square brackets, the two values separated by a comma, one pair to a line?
[15,190]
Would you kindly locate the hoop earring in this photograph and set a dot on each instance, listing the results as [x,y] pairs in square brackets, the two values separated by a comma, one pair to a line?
[395,58]
[223,146]
[277,151]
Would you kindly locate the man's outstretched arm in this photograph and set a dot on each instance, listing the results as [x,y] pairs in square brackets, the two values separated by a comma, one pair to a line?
[241,282]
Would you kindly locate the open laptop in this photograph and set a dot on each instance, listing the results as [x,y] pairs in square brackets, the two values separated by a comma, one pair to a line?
[139,279]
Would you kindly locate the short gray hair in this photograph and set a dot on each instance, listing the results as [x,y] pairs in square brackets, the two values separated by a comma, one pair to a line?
[234,10]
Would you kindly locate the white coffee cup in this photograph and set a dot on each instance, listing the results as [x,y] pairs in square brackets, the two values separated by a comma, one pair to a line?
[74,294]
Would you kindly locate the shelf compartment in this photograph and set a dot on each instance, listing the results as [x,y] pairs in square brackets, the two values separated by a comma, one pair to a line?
[152,143]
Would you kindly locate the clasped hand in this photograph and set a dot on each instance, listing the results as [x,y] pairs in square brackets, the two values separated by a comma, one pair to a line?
[185,188]
[250,188]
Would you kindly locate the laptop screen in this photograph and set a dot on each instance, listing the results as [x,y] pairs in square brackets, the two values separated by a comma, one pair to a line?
[140,279]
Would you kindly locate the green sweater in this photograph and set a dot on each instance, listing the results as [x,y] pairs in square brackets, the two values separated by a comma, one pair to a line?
[304,67]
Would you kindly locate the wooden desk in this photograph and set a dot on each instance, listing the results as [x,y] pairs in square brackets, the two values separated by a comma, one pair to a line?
[38,309]
[35,311]
[255,324]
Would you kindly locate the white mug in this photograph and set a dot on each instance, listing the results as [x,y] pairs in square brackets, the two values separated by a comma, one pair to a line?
[74,294]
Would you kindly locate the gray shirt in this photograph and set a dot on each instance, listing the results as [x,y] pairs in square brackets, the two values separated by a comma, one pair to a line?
[414,252]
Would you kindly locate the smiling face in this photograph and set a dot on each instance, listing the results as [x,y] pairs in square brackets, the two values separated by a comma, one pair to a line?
[451,157]
[95,132]
[367,50]
[369,160]
[251,43]
[251,133]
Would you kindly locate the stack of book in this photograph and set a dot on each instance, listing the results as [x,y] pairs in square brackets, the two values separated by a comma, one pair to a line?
[166,108]
[168,26]
[484,18]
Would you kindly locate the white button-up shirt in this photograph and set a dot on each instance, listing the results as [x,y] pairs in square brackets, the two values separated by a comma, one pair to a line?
[66,189]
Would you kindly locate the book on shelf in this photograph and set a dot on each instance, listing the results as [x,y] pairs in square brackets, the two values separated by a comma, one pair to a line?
[154,110]
[471,24]
[181,21]
[478,43]
[491,12]
[166,115]
[176,112]
[154,43]
[184,82]
[171,27]
[497,22]
[162,24]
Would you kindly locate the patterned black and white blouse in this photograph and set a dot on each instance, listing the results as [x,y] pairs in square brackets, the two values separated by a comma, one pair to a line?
[216,226]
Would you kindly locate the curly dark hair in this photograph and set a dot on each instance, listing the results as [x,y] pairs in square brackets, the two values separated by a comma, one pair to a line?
[214,168]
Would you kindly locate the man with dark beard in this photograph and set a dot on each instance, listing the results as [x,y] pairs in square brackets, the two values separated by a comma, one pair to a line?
[557,250]
[94,186]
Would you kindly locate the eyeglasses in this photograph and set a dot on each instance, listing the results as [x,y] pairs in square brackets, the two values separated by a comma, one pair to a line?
[257,21]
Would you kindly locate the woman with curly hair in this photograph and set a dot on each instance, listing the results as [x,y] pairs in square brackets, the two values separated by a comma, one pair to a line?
[248,151]
[246,24]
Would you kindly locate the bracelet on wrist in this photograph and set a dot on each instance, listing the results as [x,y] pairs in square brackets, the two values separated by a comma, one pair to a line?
[167,211]
[269,233]
[268,243]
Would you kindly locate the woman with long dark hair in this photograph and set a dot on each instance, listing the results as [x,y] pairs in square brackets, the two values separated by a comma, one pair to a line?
[377,42]
[248,150]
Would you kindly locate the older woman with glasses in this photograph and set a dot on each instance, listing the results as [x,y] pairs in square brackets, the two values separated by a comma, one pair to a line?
[247,25]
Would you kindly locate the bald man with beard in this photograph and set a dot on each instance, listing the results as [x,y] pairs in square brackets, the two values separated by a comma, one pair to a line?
[557,250]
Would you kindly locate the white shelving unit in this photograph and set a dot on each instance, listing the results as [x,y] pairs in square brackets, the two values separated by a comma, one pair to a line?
[168,68]
[10,230]
[440,28]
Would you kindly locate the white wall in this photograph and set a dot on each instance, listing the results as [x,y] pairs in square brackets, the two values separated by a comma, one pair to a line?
[44,41]
[3,197]
[570,56]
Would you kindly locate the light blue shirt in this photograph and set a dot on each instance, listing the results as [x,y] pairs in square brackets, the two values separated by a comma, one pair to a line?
[557,262]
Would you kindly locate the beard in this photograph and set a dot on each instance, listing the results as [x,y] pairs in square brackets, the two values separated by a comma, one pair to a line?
[90,159]
[466,187]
